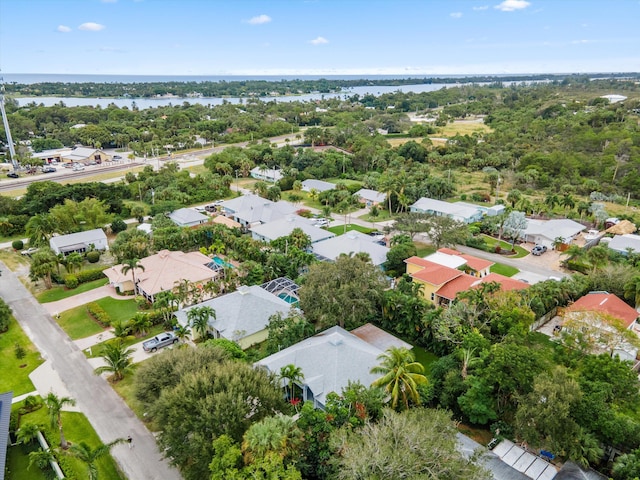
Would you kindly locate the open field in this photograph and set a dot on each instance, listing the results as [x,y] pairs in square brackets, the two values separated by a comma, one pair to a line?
[462,127]
[15,371]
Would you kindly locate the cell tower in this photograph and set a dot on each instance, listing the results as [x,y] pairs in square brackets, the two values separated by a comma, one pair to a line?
[5,121]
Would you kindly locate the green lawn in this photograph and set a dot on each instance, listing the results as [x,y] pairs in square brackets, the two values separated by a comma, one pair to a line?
[76,429]
[15,373]
[506,270]
[18,464]
[79,324]
[383,215]
[493,242]
[340,229]
[424,249]
[58,293]
[96,350]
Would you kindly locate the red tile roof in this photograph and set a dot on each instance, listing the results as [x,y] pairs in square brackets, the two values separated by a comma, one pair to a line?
[449,251]
[457,285]
[605,303]
[506,283]
[435,274]
[476,263]
[421,262]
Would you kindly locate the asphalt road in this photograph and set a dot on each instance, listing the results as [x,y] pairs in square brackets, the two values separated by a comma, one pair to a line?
[105,410]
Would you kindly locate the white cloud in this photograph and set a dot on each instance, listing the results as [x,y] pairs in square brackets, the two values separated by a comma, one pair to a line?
[482,7]
[63,29]
[455,14]
[259,20]
[91,27]
[580,42]
[512,5]
[318,41]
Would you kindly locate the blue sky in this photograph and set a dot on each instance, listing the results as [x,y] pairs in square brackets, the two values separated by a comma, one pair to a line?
[297,37]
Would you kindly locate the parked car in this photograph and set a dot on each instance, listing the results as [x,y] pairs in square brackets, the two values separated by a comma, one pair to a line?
[13,175]
[48,169]
[29,251]
[159,341]
[78,167]
[322,222]
[538,250]
[117,157]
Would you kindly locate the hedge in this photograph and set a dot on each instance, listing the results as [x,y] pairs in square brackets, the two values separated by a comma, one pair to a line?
[71,281]
[99,314]
[90,275]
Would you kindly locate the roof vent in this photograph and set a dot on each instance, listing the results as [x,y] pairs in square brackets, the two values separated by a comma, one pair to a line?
[336,341]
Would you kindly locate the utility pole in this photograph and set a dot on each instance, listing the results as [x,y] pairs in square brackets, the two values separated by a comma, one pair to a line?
[5,121]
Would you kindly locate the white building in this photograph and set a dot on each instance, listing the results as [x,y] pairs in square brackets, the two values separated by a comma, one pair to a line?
[79,242]
[545,232]
[318,185]
[187,217]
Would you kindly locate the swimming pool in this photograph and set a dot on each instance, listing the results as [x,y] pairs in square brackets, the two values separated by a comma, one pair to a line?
[288,298]
[219,261]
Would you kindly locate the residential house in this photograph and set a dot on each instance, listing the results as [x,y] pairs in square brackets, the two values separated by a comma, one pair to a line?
[474,266]
[545,232]
[496,210]
[370,197]
[442,282]
[226,221]
[595,314]
[5,414]
[460,211]
[266,174]
[333,358]
[162,272]
[86,155]
[79,242]
[625,243]
[283,227]
[187,217]
[250,210]
[241,316]
[317,185]
[351,242]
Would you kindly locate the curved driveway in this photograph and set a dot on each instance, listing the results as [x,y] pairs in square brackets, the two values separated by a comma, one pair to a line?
[107,412]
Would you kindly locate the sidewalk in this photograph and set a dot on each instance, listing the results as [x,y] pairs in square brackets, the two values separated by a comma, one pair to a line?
[83,298]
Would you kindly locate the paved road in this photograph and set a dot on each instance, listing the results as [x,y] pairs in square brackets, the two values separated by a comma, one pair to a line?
[107,412]
[513,262]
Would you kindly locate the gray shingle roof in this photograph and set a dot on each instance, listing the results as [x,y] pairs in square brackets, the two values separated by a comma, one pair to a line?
[622,242]
[241,313]
[284,226]
[329,360]
[5,413]
[87,238]
[351,242]
[187,216]
[319,185]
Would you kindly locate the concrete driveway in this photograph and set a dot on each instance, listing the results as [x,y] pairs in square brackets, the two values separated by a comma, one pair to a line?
[105,410]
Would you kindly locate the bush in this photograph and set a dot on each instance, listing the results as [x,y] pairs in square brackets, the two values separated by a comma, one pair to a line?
[17,244]
[118,226]
[19,351]
[90,275]
[93,256]
[99,314]
[476,242]
[71,281]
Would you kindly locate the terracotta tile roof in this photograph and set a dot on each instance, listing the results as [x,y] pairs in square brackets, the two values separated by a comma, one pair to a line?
[606,303]
[421,262]
[457,285]
[436,274]
[476,263]
[449,251]
[506,283]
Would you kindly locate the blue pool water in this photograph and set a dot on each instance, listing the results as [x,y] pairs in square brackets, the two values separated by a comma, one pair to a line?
[288,298]
[221,262]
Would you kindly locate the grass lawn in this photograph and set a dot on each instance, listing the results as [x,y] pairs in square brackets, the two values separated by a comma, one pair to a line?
[493,242]
[79,324]
[383,215]
[15,373]
[13,260]
[77,429]
[58,293]
[506,270]
[96,350]
[462,127]
[18,464]
[339,230]
[424,249]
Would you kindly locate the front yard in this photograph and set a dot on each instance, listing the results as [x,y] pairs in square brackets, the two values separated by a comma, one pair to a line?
[77,322]
[58,293]
[15,371]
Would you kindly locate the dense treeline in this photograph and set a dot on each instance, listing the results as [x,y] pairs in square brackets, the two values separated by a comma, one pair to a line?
[260,88]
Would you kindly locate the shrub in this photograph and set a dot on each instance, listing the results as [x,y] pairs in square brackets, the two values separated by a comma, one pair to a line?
[118,226]
[93,256]
[71,281]
[99,314]
[476,242]
[17,244]
[19,351]
[90,275]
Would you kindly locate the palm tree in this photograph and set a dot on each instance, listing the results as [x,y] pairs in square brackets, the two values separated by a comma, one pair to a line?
[41,458]
[73,262]
[182,332]
[130,266]
[118,360]
[55,405]
[43,264]
[199,319]
[632,290]
[90,456]
[401,375]
[270,435]
[291,374]
[39,229]
[139,323]
[27,433]
[598,256]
